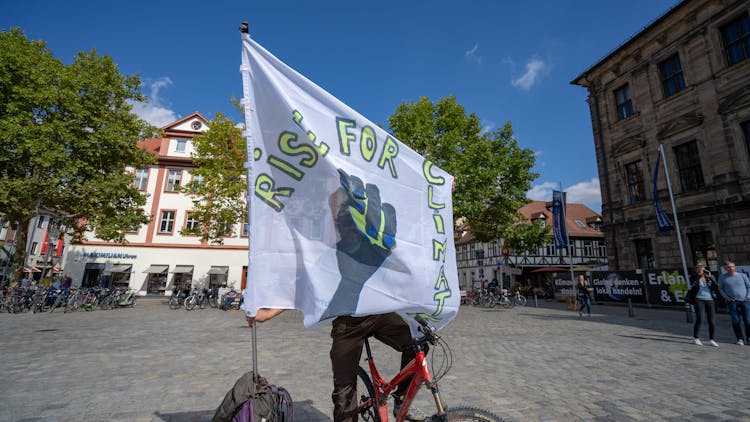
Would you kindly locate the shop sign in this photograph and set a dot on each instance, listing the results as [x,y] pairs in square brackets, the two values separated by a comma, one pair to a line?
[113,255]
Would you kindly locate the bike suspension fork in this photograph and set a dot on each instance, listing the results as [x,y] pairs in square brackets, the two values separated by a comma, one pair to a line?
[436,396]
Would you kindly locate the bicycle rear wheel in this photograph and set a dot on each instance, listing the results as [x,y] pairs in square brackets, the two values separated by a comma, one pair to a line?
[470,414]
[366,393]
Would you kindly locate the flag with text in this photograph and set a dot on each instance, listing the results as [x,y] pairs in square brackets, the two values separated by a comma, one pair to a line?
[344,218]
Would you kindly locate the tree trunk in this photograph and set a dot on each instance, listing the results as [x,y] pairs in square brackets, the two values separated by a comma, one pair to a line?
[19,255]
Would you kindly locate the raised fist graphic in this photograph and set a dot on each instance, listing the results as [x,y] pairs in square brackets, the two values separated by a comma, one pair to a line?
[367,233]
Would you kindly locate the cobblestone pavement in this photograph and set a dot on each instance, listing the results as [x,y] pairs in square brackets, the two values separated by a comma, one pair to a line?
[525,364]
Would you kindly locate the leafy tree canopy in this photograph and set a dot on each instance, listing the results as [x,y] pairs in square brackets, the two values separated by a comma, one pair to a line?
[218,201]
[68,136]
[492,172]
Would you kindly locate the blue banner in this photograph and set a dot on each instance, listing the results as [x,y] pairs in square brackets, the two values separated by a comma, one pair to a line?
[661,217]
[558,219]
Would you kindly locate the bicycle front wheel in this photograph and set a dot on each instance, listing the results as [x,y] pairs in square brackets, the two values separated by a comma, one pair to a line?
[365,405]
[470,414]
[190,303]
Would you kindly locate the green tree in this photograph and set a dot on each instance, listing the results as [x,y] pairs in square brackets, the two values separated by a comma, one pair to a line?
[68,135]
[492,172]
[218,201]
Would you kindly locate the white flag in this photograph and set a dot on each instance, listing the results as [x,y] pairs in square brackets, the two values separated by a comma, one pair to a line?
[344,218]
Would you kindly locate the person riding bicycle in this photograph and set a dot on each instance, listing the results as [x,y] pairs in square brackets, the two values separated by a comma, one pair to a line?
[349,334]
[492,286]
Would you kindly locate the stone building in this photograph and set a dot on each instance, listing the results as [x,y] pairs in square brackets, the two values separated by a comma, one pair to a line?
[683,82]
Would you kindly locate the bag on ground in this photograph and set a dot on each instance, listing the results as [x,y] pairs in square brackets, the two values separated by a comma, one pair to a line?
[269,403]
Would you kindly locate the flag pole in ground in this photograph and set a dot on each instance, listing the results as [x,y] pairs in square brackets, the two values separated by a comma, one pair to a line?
[248,135]
[567,242]
[677,226]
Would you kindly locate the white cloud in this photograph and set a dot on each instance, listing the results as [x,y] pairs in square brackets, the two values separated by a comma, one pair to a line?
[535,69]
[587,193]
[542,192]
[472,53]
[156,111]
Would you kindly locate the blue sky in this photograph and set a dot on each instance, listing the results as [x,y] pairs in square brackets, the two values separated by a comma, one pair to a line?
[504,61]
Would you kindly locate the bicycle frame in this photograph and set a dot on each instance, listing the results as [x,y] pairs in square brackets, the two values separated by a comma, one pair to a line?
[417,369]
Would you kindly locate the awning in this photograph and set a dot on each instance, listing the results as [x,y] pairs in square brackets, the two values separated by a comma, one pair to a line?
[119,269]
[183,269]
[156,269]
[218,270]
[31,270]
[550,270]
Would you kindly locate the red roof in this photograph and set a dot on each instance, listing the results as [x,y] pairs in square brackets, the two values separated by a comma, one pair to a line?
[579,218]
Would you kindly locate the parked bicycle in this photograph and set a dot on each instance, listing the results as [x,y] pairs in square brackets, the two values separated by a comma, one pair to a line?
[373,403]
[198,297]
[177,299]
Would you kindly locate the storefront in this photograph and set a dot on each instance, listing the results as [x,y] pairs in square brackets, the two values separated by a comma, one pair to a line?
[217,276]
[182,275]
[156,279]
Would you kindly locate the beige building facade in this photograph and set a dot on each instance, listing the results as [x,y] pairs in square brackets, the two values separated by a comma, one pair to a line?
[683,83]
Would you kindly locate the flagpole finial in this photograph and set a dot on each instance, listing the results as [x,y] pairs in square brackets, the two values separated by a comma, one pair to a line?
[244,28]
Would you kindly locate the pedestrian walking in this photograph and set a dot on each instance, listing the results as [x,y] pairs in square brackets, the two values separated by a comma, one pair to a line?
[702,296]
[735,287]
[583,289]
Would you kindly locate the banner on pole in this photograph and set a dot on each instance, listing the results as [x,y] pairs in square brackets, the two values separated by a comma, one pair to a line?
[344,218]
[662,220]
[559,228]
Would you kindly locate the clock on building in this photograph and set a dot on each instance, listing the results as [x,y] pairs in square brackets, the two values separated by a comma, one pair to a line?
[196,125]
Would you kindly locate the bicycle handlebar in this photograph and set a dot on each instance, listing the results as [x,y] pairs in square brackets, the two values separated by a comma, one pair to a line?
[425,328]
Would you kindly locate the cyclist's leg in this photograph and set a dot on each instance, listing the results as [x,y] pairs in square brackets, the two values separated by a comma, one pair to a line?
[348,334]
[392,330]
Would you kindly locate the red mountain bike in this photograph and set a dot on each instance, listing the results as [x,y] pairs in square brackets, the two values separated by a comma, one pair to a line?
[373,405]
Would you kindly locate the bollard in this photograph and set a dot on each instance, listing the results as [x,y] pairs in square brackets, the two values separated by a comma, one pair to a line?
[689,313]
[631,314]
[536,305]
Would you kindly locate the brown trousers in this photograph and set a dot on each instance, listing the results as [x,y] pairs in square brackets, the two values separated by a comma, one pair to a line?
[348,334]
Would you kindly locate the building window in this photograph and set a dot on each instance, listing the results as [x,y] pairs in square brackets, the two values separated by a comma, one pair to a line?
[746,131]
[197,182]
[644,253]
[34,248]
[624,102]
[141,179]
[180,145]
[736,36]
[703,249]
[602,247]
[689,166]
[40,222]
[245,229]
[173,182]
[636,185]
[167,222]
[671,75]
[580,224]
[191,223]
[588,248]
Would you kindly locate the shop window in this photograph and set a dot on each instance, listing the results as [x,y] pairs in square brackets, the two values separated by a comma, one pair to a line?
[736,37]
[623,102]
[671,76]
[689,166]
[644,253]
[636,185]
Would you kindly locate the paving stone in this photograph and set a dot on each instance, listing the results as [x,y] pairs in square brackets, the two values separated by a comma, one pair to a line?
[525,364]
